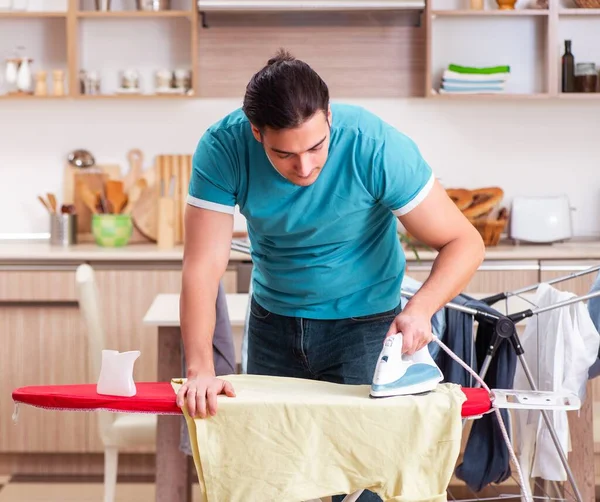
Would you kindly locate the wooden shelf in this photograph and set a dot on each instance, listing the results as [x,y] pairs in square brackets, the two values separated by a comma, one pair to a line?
[26,14]
[491,96]
[135,14]
[496,13]
[134,96]
[580,96]
[30,97]
[579,12]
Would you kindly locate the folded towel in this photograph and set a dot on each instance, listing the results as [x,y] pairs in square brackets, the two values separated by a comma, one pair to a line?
[446,83]
[489,70]
[478,90]
[465,77]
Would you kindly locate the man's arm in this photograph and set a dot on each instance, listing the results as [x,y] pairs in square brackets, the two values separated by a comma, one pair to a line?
[438,223]
[206,255]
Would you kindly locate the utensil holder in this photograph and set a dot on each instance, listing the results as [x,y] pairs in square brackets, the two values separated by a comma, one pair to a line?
[63,229]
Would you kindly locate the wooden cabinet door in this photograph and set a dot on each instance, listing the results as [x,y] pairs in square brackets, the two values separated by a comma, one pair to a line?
[42,344]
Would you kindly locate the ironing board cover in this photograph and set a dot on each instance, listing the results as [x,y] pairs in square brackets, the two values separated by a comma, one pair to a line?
[159,398]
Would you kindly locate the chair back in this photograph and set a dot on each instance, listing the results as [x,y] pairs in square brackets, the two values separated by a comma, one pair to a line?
[91,313]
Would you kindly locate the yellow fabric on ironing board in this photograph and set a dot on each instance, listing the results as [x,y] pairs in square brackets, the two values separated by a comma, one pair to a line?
[290,440]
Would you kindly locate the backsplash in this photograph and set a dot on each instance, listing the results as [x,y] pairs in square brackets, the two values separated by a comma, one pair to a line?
[527,147]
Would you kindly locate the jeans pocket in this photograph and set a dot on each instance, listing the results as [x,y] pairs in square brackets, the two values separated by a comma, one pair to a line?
[257,311]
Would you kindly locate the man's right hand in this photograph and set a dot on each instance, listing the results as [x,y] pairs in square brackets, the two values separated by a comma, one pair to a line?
[200,394]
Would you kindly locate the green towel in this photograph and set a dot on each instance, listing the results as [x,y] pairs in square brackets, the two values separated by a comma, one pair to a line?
[481,71]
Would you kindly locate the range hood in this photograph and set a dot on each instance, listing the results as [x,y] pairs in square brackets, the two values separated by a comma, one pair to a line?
[306,5]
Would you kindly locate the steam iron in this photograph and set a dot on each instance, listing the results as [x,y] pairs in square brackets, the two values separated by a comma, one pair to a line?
[398,374]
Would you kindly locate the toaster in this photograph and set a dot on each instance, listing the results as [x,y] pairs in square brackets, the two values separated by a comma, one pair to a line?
[540,219]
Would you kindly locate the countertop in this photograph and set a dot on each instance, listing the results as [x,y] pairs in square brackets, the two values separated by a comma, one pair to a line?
[42,252]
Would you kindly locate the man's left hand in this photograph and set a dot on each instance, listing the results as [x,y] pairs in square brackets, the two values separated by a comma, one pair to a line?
[415,329]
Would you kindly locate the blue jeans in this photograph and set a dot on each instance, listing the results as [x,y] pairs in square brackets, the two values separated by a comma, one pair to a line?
[340,351]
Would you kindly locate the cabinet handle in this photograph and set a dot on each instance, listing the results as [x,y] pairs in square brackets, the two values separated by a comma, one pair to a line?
[38,303]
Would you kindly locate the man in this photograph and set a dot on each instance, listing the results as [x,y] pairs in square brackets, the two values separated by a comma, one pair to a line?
[321,186]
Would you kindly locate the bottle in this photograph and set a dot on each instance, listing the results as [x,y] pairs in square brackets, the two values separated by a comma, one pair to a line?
[568,69]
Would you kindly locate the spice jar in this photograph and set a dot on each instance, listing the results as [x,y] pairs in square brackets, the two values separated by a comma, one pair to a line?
[586,77]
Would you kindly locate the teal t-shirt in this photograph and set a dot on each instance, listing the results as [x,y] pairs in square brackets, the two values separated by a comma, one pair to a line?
[329,250]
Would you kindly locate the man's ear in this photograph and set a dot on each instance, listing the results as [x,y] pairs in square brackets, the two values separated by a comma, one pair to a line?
[256,133]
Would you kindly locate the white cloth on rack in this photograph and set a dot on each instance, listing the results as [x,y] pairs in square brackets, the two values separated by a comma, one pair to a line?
[560,346]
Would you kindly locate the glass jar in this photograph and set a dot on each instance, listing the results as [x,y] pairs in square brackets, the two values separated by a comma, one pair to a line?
[586,77]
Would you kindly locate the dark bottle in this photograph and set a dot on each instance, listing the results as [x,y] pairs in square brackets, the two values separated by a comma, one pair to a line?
[568,69]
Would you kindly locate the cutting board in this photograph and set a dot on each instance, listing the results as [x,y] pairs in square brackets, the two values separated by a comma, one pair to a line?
[95,178]
[169,178]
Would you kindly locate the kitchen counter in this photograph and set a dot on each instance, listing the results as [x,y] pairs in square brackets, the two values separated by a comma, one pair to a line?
[42,252]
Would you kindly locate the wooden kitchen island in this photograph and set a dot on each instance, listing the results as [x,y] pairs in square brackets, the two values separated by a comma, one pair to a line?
[44,340]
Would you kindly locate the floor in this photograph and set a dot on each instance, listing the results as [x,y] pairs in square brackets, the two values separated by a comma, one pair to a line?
[76,492]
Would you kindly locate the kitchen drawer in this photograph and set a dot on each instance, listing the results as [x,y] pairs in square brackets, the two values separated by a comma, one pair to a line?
[37,285]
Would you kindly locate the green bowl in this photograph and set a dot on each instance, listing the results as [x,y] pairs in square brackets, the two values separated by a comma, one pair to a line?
[112,230]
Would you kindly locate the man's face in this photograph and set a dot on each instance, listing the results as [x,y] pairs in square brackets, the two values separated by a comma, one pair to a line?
[298,154]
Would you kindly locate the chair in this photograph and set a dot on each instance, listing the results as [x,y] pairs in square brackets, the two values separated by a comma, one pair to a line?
[117,430]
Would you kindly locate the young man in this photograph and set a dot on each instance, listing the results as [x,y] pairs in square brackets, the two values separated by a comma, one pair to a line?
[321,186]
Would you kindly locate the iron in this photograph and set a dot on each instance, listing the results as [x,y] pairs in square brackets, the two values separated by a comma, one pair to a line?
[398,374]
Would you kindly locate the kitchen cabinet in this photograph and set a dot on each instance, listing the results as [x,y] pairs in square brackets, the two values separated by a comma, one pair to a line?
[45,343]
[41,343]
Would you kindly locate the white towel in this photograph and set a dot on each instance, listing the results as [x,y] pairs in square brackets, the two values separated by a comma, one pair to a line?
[476,77]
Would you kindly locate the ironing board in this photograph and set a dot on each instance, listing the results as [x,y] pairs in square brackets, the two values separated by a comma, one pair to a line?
[158,398]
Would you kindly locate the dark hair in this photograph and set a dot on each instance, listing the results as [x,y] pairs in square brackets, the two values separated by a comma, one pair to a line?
[284,93]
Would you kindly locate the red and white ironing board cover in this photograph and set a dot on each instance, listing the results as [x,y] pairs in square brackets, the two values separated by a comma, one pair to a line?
[159,398]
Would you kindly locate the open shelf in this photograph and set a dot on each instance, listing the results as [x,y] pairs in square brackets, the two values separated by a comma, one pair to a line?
[520,43]
[486,97]
[41,39]
[27,14]
[580,96]
[134,96]
[30,97]
[489,12]
[135,14]
[585,45]
[579,12]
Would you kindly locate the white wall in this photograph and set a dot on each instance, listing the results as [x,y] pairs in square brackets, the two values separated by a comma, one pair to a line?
[526,147]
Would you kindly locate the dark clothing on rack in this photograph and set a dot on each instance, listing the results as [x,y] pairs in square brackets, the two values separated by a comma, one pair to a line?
[459,339]
[486,458]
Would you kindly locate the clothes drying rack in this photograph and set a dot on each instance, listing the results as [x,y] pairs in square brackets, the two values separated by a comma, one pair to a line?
[505,331]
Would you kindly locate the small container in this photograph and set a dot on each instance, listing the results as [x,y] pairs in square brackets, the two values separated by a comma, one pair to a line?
[102,5]
[153,5]
[63,229]
[586,77]
[183,79]
[130,79]
[163,79]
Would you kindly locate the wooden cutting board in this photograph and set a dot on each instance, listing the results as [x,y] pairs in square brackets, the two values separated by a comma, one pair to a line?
[168,171]
[145,214]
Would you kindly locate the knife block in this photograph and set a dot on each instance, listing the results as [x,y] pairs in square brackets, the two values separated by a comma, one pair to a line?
[166,227]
